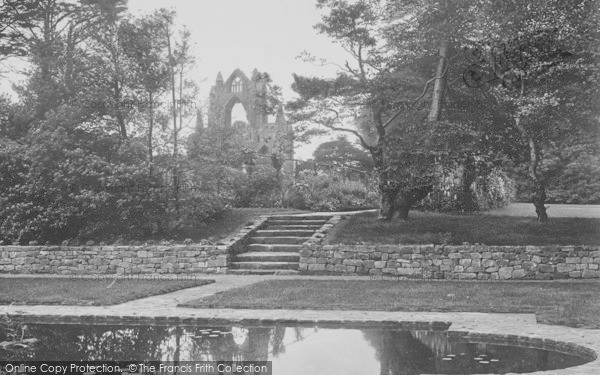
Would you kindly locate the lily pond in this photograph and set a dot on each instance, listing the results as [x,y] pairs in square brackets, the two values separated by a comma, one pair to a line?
[292,349]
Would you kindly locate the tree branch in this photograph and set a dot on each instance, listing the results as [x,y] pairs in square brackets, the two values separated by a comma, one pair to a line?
[356,133]
[362,140]
[389,121]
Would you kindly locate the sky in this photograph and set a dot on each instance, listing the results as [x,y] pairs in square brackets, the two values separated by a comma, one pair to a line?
[267,35]
[247,34]
[264,34]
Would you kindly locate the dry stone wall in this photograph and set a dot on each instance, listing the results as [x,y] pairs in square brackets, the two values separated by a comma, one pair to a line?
[150,259]
[453,262]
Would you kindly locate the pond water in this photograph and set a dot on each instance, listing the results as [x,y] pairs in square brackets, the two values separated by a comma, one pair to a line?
[293,349]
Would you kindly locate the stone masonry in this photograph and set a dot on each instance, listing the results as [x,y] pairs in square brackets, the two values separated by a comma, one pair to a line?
[453,262]
[149,259]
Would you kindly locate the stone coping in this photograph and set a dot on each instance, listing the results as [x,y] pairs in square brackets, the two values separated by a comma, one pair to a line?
[320,235]
[215,321]
[453,336]
[505,329]
[437,326]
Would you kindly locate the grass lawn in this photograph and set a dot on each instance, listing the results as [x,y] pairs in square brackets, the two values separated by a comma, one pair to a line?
[236,218]
[231,221]
[59,291]
[435,228]
[554,210]
[575,304]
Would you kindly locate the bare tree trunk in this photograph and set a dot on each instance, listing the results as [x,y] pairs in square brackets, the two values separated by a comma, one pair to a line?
[539,186]
[150,130]
[539,189]
[389,192]
[467,202]
[439,86]
[407,199]
[70,52]
[175,130]
[117,87]
[539,201]
[397,202]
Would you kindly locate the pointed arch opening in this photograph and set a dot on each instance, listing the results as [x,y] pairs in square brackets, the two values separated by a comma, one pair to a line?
[239,118]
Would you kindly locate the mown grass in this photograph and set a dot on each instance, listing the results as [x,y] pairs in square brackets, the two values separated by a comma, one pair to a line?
[453,229]
[575,304]
[86,292]
[232,220]
[228,223]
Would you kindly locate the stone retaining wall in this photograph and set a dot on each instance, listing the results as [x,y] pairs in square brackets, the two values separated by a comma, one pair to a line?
[453,262]
[149,259]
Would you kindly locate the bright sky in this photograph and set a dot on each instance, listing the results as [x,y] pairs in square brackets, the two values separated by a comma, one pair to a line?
[247,34]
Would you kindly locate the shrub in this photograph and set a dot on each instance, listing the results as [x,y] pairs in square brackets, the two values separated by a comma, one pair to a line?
[314,191]
[488,191]
[62,190]
[259,189]
[195,211]
[320,192]
[80,181]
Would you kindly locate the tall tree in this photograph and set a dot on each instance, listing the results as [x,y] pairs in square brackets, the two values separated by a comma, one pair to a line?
[16,16]
[370,97]
[180,62]
[46,47]
[543,71]
[112,55]
[144,44]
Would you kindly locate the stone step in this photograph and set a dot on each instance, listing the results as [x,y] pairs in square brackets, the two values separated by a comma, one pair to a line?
[268,256]
[284,233]
[293,227]
[262,247]
[301,218]
[295,222]
[265,265]
[278,240]
[261,272]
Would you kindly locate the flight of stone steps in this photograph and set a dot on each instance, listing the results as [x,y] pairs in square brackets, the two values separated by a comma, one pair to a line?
[275,248]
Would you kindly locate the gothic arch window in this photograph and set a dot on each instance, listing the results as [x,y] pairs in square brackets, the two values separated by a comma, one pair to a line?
[236,85]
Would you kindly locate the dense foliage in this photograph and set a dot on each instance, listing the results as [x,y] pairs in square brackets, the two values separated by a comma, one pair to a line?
[88,152]
[504,86]
[320,190]
[446,99]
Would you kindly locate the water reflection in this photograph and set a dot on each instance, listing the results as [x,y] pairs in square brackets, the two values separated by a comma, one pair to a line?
[293,350]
